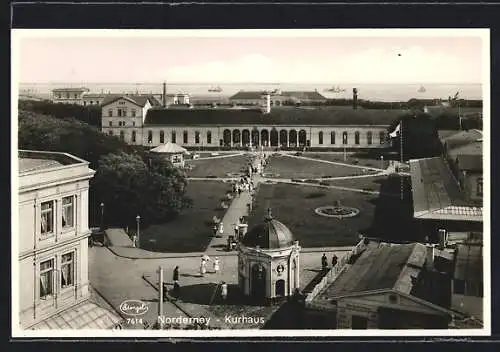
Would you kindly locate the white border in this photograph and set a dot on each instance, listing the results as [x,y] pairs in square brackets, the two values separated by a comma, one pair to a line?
[18,34]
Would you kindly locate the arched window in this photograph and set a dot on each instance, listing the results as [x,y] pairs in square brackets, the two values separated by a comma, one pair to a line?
[344,138]
[174,137]
[209,137]
[382,137]
[356,137]
[332,137]
[369,137]
[162,137]
[134,136]
[320,138]
[150,136]
[185,137]
[197,137]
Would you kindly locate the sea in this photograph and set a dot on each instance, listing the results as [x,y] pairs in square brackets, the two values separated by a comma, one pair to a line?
[373,92]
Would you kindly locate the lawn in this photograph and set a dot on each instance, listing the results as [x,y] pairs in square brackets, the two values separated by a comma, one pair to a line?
[294,205]
[218,167]
[365,183]
[351,159]
[189,232]
[288,167]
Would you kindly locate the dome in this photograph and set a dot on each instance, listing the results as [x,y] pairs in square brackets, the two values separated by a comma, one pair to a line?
[271,234]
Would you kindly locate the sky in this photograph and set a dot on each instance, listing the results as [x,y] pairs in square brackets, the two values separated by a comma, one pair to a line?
[233,59]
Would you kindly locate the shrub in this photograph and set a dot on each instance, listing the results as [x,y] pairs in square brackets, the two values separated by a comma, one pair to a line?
[324,183]
[315,195]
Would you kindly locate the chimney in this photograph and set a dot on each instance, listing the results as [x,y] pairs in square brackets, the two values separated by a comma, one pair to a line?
[429,263]
[355,98]
[442,238]
[164,95]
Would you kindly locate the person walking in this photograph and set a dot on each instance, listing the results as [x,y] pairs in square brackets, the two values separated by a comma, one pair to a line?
[221,228]
[176,274]
[216,265]
[224,290]
[203,267]
[324,262]
[334,260]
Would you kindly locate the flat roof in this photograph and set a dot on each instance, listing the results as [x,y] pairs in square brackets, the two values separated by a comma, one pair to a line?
[30,160]
[278,116]
[381,267]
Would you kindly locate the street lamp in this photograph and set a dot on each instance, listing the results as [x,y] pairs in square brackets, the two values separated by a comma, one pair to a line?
[138,219]
[381,161]
[102,216]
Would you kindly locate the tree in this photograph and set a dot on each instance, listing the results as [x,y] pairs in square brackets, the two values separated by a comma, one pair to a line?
[420,136]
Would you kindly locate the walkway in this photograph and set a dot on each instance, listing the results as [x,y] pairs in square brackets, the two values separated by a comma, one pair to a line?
[118,237]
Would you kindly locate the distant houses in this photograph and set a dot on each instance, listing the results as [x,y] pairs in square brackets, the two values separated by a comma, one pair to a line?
[277,98]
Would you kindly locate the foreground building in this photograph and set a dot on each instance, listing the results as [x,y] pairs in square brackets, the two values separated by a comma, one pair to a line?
[384,286]
[53,244]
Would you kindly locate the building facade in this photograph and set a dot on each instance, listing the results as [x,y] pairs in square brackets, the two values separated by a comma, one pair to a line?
[53,234]
[124,117]
[69,95]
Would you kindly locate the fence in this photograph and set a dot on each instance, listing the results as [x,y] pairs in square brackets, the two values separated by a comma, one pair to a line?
[334,272]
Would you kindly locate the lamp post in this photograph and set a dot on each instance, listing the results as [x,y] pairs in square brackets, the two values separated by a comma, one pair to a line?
[381,161]
[102,216]
[138,219]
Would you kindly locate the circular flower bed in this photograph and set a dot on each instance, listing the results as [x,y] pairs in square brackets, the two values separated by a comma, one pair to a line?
[338,212]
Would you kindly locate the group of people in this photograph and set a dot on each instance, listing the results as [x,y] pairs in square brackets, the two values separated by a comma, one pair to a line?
[244,184]
[324,261]
[204,262]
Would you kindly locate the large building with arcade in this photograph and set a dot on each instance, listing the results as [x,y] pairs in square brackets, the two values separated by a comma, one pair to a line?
[137,121]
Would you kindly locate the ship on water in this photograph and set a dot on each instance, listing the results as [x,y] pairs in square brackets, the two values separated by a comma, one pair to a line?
[335,89]
[217,89]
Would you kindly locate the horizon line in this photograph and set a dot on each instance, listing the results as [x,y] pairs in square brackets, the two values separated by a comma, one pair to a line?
[242,82]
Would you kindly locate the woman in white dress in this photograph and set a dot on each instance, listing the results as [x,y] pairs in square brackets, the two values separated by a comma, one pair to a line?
[216,265]
[203,267]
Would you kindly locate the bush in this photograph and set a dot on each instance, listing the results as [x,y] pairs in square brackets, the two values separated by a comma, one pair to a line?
[315,195]
[324,183]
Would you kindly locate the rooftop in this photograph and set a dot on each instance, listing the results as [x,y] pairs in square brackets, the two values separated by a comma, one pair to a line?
[170,148]
[76,89]
[30,161]
[470,162]
[436,194]
[277,116]
[471,148]
[387,266]
[460,138]
[139,100]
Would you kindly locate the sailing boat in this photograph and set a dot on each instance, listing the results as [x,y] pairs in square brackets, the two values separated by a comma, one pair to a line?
[421,89]
[335,89]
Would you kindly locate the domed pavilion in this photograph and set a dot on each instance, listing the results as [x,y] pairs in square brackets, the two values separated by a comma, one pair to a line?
[268,262]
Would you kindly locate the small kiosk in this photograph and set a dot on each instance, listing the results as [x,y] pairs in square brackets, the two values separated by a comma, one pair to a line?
[172,152]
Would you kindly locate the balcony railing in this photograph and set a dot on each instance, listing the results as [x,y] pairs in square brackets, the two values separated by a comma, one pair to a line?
[334,272]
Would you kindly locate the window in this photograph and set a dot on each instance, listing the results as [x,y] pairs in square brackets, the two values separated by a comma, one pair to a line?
[356,137]
[76,96]
[197,137]
[47,218]
[91,102]
[110,113]
[359,322]
[209,137]
[67,270]
[121,102]
[46,279]
[332,137]
[110,123]
[344,138]
[133,136]
[369,137]
[122,135]
[479,187]
[133,112]
[124,112]
[174,137]
[68,211]
[162,137]
[67,95]
[320,138]
[459,287]
[110,133]
[185,137]
[119,112]
[150,136]
[84,103]
[381,137]
[119,124]
[133,123]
